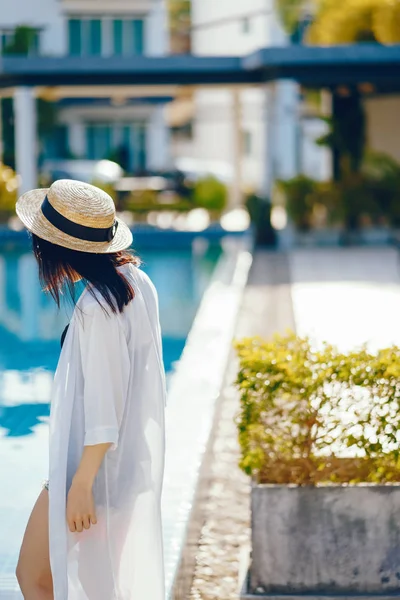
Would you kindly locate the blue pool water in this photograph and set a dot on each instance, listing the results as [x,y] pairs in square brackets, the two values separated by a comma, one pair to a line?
[30,329]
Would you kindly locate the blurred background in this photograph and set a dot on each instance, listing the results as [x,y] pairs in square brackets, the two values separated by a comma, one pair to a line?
[321,150]
[253,147]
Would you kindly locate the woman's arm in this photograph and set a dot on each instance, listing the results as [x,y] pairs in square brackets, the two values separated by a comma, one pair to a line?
[81,513]
[105,369]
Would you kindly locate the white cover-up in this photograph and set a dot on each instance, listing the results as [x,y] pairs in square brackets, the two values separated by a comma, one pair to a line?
[110,387]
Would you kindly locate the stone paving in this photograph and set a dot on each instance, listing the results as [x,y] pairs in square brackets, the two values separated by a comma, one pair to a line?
[226,530]
[345,296]
[224,543]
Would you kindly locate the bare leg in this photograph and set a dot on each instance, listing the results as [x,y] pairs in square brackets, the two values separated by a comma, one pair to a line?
[33,570]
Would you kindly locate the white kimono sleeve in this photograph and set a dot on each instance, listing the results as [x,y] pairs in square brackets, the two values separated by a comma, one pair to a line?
[105,366]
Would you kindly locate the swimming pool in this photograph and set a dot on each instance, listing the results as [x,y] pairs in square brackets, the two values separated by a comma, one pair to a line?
[30,329]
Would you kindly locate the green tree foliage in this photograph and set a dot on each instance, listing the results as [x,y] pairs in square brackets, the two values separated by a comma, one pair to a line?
[290,13]
[347,21]
[344,21]
[180,24]
[22,42]
[347,134]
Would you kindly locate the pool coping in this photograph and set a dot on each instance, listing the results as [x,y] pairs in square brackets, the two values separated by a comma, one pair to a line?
[199,376]
[144,236]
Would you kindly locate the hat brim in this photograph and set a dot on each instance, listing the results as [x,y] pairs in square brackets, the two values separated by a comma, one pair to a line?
[29,211]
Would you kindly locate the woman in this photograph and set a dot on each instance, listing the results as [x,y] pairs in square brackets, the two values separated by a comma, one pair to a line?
[95,531]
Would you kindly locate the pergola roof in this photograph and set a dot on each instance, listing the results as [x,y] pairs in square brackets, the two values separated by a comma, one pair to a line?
[330,66]
[311,66]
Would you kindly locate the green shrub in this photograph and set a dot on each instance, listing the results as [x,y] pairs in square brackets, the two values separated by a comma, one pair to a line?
[371,196]
[210,193]
[106,187]
[357,198]
[144,201]
[311,416]
[299,199]
[383,173]
[259,210]
[8,192]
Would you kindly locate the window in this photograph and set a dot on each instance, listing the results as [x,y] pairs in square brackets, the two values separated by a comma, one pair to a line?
[125,142]
[35,44]
[94,37]
[75,37]
[55,144]
[118,37]
[134,146]
[141,155]
[128,37]
[247,143]
[10,42]
[91,37]
[246,25]
[98,141]
[6,40]
[137,36]
[85,37]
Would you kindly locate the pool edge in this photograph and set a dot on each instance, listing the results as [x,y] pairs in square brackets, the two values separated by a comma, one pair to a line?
[199,376]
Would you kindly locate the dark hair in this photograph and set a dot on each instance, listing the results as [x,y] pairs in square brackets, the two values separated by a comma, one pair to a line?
[58,267]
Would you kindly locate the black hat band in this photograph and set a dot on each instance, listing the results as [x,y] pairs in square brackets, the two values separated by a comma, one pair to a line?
[81,232]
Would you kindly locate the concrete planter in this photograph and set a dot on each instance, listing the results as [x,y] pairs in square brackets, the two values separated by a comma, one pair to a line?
[370,236]
[331,541]
[290,237]
[319,237]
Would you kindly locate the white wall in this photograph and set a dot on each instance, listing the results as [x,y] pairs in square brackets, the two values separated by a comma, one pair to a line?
[213,124]
[383,125]
[44,14]
[213,136]
[316,161]
[156,30]
[157,141]
[229,38]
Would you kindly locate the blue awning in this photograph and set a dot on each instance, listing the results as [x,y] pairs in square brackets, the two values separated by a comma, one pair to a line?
[310,66]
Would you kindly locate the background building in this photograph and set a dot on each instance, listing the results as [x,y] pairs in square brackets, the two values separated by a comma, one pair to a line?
[130,130]
[239,27]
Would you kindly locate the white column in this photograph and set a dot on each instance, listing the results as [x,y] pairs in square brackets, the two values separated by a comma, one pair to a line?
[25,137]
[287,124]
[235,196]
[76,138]
[270,150]
[158,141]
[281,158]
[156,30]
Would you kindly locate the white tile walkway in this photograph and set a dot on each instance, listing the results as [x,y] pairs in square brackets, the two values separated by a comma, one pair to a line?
[347,297]
[194,390]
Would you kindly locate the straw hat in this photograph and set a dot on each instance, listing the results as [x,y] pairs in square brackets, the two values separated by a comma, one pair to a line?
[74,215]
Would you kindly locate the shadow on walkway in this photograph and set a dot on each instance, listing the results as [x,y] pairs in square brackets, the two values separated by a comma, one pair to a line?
[267,303]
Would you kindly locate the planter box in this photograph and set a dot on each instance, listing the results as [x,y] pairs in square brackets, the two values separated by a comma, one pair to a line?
[330,541]
[370,236]
[290,237]
[319,237]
